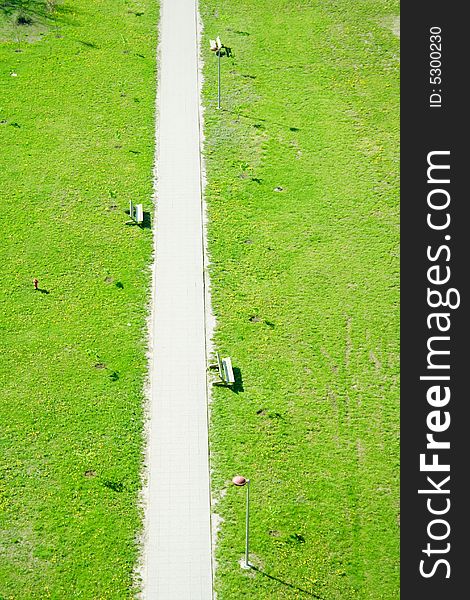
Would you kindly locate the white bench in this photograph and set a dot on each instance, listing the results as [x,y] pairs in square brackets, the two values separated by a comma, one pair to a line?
[224,366]
[136,212]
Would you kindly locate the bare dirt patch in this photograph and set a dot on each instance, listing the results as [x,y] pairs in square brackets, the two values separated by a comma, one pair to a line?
[19,32]
[391,22]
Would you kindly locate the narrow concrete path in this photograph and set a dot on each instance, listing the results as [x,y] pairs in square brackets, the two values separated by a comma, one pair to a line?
[178,549]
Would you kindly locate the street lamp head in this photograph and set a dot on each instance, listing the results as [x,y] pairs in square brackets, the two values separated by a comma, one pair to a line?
[240,480]
[216,45]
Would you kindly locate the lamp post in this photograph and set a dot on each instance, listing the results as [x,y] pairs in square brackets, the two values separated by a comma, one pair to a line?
[218,80]
[241,481]
[216,46]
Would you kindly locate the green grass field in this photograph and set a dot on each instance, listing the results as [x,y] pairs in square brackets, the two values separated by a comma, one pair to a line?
[305,288]
[77,90]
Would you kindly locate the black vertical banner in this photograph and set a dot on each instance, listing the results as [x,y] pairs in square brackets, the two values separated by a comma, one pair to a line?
[435,435]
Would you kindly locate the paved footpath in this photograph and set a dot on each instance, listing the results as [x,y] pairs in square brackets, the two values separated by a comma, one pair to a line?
[178,548]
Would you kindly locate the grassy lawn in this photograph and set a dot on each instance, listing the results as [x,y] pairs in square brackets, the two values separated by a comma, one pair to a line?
[302,190]
[77,88]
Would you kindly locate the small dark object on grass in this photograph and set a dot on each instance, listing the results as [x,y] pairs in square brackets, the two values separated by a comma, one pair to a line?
[255,319]
[116,486]
[37,288]
[119,285]
[89,44]
[100,366]
[278,189]
[23,19]
[296,538]
[114,375]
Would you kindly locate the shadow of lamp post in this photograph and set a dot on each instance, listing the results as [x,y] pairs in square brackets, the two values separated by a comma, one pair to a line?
[216,46]
[241,481]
